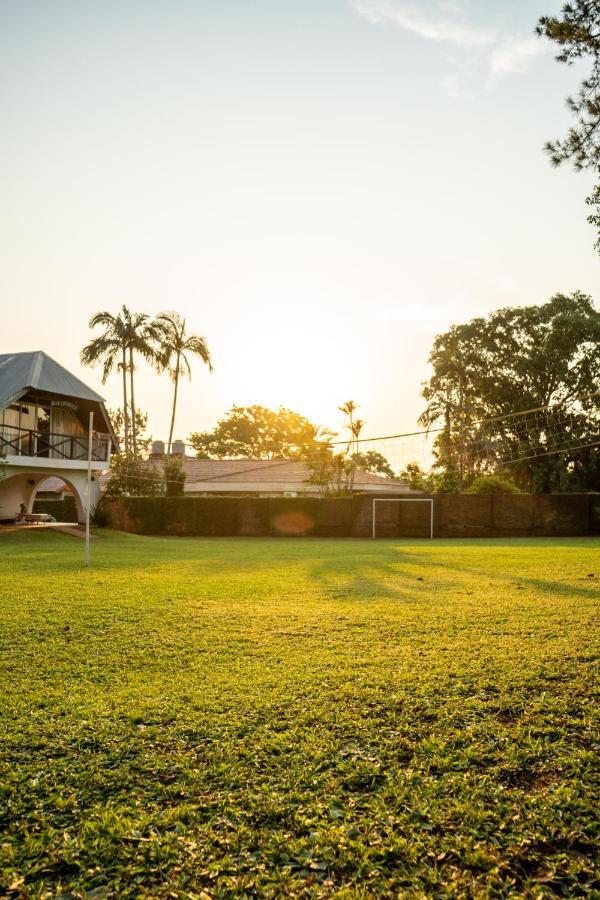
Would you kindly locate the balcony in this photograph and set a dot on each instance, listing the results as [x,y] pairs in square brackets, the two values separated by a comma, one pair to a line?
[22,442]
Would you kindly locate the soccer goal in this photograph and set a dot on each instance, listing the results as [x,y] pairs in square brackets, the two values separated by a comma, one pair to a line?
[403,500]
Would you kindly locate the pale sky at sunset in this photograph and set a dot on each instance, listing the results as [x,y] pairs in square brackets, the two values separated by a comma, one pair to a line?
[319,187]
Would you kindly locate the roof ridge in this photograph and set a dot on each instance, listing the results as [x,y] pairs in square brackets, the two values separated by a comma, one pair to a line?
[279,462]
[36,367]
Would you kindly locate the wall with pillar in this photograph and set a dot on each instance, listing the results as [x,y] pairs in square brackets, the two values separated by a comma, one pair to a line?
[21,484]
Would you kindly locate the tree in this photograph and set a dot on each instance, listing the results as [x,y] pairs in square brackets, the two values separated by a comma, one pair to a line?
[577,32]
[130,475]
[174,476]
[493,484]
[177,349]
[255,432]
[332,473]
[372,462]
[594,217]
[117,418]
[142,336]
[416,478]
[349,408]
[522,358]
[124,335]
[110,349]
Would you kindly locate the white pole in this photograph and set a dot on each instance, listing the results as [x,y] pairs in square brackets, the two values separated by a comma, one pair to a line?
[373,517]
[431,531]
[86,557]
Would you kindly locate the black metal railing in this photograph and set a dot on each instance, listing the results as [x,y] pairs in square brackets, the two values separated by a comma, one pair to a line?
[16,441]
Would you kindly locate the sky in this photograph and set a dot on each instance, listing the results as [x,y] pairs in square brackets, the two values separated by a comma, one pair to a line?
[319,187]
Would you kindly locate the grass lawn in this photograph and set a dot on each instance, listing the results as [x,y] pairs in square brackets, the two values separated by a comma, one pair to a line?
[199,718]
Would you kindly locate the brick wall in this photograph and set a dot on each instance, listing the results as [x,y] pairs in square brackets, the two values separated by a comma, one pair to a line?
[455,515]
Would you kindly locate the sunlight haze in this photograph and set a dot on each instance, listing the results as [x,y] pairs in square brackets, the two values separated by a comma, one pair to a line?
[318,187]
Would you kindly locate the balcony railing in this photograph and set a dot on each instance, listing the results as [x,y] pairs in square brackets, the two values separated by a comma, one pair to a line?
[48,445]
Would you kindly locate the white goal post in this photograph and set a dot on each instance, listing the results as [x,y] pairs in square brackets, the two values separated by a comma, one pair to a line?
[403,500]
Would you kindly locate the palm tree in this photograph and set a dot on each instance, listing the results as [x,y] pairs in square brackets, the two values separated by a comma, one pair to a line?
[177,348]
[142,335]
[109,348]
[355,430]
[349,408]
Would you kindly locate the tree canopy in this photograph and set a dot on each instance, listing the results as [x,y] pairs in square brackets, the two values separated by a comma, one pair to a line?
[256,432]
[577,32]
[518,359]
[372,462]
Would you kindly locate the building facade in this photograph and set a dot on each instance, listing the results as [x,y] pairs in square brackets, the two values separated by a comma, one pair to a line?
[44,432]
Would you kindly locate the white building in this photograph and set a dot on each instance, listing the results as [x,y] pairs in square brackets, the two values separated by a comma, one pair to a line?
[44,423]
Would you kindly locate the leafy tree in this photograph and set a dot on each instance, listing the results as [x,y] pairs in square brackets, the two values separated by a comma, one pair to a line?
[517,359]
[255,432]
[174,476]
[117,418]
[373,462]
[594,218]
[416,478]
[331,472]
[177,348]
[577,32]
[493,484]
[134,476]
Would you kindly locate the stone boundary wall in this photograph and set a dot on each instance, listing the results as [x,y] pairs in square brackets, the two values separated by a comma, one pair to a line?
[455,515]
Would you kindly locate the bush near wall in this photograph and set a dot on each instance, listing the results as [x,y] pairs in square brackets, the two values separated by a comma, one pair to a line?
[595,514]
[455,515]
[63,510]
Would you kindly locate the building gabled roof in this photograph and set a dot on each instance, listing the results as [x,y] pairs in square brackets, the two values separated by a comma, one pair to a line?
[259,471]
[36,370]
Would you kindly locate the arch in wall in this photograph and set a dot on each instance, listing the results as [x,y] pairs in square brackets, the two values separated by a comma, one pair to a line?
[72,487]
[20,489]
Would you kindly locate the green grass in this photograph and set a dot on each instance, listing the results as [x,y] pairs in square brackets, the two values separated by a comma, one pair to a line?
[308,718]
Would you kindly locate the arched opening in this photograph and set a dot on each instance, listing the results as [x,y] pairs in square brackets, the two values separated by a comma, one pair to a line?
[18,493]
[56,497]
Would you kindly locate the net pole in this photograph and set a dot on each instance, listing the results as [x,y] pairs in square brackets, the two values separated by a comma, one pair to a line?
[86,554]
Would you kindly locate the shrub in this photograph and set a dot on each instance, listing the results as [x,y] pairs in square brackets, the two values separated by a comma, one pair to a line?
[101,516]
[174,476]
[493,484]
[130,475]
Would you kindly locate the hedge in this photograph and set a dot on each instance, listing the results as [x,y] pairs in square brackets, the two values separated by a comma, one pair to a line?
[455,515]
[63,510]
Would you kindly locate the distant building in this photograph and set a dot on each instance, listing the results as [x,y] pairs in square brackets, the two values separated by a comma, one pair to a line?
[44,422]
[53,489]
[265,478]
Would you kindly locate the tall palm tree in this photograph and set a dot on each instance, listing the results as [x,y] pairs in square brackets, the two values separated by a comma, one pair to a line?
[109,348]
[355,430]
[349,408]
[142,336]
[177,348]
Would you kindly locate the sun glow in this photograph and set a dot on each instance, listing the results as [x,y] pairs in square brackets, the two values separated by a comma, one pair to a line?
[297,364]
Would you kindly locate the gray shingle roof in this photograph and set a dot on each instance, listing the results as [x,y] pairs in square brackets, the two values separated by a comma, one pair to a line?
[265,470]
[22,371]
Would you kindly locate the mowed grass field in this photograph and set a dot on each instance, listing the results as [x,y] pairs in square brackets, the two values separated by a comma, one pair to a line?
[299,718]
